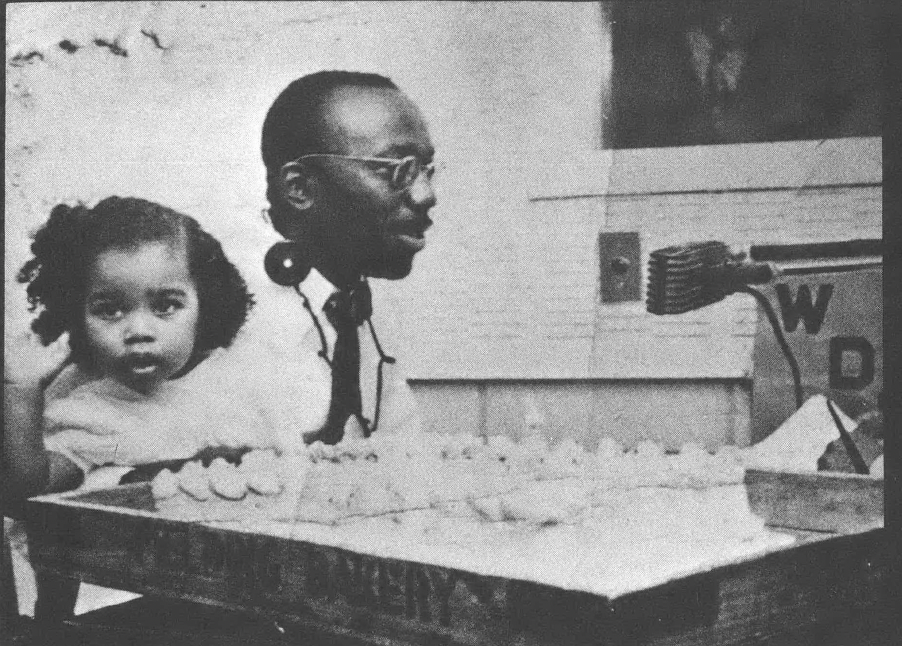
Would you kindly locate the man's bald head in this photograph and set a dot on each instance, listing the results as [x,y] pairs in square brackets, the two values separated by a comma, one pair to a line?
[294,124]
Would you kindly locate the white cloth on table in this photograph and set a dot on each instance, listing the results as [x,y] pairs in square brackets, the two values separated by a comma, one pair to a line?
[799,441]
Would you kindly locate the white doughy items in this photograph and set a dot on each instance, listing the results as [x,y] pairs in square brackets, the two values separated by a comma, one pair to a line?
[165,485]
[194,481]
[226,481]
[492,479]
[260,472]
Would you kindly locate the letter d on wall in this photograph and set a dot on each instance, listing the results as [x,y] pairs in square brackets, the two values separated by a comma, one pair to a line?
[842,347]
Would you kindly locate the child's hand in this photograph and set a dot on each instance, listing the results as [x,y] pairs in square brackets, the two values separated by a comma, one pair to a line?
[29,363]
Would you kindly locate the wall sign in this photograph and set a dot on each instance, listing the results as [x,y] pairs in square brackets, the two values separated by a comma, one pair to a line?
[833,322]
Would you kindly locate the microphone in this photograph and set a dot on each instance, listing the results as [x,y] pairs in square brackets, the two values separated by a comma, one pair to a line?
[285,264]
[689,277]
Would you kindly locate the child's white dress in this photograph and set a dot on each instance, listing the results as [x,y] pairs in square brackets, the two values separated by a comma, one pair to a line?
[102,422]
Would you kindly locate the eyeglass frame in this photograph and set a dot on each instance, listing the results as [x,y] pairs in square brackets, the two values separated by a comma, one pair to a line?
[429,168]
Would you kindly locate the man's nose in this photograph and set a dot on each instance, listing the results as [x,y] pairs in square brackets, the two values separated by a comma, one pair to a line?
[421,192]
[139,328]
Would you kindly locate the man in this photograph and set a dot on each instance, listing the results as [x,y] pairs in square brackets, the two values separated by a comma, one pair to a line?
[349,166]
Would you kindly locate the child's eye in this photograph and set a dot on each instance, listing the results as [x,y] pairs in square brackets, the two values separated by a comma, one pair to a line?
[105,311]
[168,306]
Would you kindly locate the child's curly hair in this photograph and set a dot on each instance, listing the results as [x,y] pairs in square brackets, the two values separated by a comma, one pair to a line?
[68,243]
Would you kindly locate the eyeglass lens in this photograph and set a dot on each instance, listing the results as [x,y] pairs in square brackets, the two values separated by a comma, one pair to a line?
[408,170]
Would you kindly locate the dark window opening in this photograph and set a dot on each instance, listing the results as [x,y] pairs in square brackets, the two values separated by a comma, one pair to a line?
[726,71]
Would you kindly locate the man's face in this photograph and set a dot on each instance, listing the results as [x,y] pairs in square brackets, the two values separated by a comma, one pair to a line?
[358,218]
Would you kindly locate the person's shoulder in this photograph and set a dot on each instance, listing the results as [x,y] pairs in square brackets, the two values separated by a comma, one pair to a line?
[71,378]
[99,406]
[99,393]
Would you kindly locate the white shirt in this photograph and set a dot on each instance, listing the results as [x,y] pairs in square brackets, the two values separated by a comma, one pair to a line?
[276,355]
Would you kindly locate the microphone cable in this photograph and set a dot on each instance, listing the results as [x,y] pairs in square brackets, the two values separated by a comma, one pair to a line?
[784,346]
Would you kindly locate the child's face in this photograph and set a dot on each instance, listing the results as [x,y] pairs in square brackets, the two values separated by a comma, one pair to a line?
[141,311]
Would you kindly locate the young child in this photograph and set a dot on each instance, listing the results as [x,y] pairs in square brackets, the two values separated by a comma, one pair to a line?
[134,299]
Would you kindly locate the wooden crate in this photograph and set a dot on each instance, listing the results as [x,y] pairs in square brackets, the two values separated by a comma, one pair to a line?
[822,501]
[110,538]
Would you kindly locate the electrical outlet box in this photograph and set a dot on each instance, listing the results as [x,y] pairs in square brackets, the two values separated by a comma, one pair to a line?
[620,268]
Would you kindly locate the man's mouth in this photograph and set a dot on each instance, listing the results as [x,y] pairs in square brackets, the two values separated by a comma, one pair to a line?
[413,241]
[413,235]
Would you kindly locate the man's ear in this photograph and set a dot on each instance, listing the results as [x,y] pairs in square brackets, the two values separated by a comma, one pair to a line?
[295,184]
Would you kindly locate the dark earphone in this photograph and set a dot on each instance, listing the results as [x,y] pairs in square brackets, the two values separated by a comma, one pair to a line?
[285,264]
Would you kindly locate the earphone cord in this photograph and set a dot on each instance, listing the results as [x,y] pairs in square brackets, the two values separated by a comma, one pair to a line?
[383,359]
[324,353]
[319,328]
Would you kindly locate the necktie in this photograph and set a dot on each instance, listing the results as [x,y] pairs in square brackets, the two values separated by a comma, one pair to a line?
[345,311]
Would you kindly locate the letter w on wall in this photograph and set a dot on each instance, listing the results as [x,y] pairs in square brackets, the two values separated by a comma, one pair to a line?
[802,308]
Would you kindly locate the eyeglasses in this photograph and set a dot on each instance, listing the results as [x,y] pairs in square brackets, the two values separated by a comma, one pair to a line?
[405,171]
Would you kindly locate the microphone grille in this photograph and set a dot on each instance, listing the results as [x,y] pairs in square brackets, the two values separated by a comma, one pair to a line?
[675,277]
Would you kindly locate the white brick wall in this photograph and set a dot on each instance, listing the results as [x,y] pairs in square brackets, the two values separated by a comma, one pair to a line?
[708,412]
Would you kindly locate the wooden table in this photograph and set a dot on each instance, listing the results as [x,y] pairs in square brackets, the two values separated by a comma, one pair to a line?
[821,578]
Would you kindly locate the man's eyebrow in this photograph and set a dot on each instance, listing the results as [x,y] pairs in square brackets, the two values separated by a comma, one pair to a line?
[403,150]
